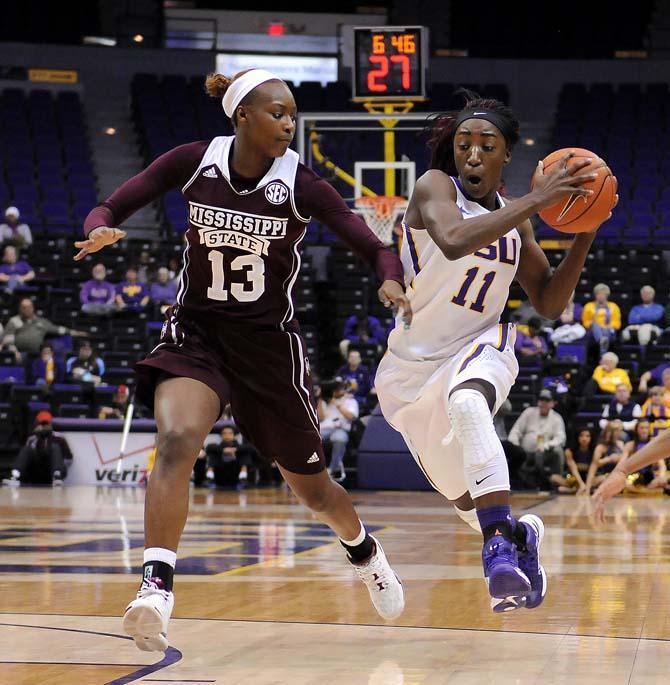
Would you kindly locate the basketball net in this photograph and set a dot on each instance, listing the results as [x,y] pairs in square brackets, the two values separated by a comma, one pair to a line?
[381,214]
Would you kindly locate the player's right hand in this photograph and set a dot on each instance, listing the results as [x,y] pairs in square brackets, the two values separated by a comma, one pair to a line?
[612,485]
[561,181]
[97,239]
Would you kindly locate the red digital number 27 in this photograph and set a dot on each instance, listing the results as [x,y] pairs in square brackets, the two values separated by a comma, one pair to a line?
[383,69]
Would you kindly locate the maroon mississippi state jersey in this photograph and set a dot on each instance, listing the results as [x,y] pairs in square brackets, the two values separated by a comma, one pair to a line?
[242,258]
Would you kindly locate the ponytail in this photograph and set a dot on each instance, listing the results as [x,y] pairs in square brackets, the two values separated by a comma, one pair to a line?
[216,85]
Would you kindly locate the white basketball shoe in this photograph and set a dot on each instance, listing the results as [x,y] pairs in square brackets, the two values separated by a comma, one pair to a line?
[384,586]
[146,617]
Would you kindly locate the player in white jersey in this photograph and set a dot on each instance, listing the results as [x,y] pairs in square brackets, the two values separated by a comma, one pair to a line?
[444,377]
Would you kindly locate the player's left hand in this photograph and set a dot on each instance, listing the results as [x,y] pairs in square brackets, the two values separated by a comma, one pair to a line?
[612,485]
[391,294]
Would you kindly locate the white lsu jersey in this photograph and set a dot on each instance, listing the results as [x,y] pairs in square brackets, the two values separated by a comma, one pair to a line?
[453,302]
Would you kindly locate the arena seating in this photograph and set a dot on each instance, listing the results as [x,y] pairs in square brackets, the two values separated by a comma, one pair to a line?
[47,168]
[55,188]
[623,126]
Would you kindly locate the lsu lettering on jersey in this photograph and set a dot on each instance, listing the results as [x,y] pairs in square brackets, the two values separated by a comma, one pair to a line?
[453,302]
[242,258]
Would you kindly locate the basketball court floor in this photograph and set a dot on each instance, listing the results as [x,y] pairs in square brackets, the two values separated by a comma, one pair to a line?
[264,595]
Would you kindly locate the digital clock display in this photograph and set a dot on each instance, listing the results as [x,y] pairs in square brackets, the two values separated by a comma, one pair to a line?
[389,63]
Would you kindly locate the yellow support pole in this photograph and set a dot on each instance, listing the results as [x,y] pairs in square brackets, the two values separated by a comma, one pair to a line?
[389,151]
[339,172]
[389,136]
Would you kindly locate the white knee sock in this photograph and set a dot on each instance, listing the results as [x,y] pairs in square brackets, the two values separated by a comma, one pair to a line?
[470,517]
[167,556]
[483,456]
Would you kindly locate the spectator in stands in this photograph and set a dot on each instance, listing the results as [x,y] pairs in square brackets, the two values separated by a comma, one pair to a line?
[499,420]
[362,328]
[607,454]
[337,410]
[14,273]
[47,369]
[145,269]
[174,269]
[644,320]
[578,458]
[568,329]
[131,295]
[525,312]
[44,452]
[97,295]
[26,331]
[163,291]
[623,408]
[358,377]
[651,477]
[230,460]
[540,432]
[655,376]
[85,366]
[13,232]
[601,318]
[119,405]
[655,409]
[665,382]
[531,344]
[607,376]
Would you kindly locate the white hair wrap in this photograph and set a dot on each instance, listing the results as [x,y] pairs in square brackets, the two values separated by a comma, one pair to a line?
[242,86]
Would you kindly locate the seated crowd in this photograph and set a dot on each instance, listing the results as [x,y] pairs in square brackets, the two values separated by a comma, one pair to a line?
[598,391]
[603,409]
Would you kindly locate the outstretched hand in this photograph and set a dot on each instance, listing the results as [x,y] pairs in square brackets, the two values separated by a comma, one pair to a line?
[97,239]
[612,485]
[392,294]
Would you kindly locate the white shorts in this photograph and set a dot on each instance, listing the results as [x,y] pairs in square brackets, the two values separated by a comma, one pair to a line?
[413,396]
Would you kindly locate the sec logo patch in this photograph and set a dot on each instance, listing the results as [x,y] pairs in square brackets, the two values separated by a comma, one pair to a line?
[276,193]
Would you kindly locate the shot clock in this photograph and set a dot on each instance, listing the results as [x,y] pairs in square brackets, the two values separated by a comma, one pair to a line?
[389,63]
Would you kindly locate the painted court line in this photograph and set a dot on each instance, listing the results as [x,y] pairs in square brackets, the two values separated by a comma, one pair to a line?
[172,655]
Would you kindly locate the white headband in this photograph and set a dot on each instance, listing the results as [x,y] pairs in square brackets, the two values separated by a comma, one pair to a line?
[242,86]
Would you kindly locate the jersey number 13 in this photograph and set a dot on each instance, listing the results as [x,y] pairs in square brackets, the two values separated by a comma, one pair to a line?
[240,291]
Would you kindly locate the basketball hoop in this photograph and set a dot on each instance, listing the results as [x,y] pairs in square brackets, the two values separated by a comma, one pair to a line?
[381,214]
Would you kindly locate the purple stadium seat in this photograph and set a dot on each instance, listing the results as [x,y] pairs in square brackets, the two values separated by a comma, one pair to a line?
[12,374]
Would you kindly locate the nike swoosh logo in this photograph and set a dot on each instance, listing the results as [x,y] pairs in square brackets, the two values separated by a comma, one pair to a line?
[477,482]
[569,204]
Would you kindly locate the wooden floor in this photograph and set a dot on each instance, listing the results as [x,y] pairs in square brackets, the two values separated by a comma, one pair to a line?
[264,596]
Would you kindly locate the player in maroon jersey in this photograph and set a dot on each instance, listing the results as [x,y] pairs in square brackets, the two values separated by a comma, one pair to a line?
[232,336]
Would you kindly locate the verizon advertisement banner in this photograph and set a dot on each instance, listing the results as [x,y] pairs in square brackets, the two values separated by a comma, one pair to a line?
[96,456]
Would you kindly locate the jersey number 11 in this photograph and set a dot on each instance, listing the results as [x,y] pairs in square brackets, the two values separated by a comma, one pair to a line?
[470,276]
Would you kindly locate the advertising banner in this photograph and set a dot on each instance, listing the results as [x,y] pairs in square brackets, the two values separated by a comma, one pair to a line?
[96,455]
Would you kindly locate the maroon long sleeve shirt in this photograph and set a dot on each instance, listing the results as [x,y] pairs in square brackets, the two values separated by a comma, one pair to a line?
[256,225]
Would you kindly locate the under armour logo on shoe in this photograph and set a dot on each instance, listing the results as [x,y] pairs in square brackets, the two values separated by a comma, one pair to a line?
[380,584]
[313,459]
[210,173]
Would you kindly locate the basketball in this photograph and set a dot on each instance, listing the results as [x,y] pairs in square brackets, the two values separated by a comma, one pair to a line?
[577,213]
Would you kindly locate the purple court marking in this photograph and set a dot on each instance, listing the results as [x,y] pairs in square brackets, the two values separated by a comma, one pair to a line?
[172,655]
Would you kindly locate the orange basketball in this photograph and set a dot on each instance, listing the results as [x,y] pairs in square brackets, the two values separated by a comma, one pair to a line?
[578,213]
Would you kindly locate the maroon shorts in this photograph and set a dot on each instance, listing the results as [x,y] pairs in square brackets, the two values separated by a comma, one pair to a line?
[262,372]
